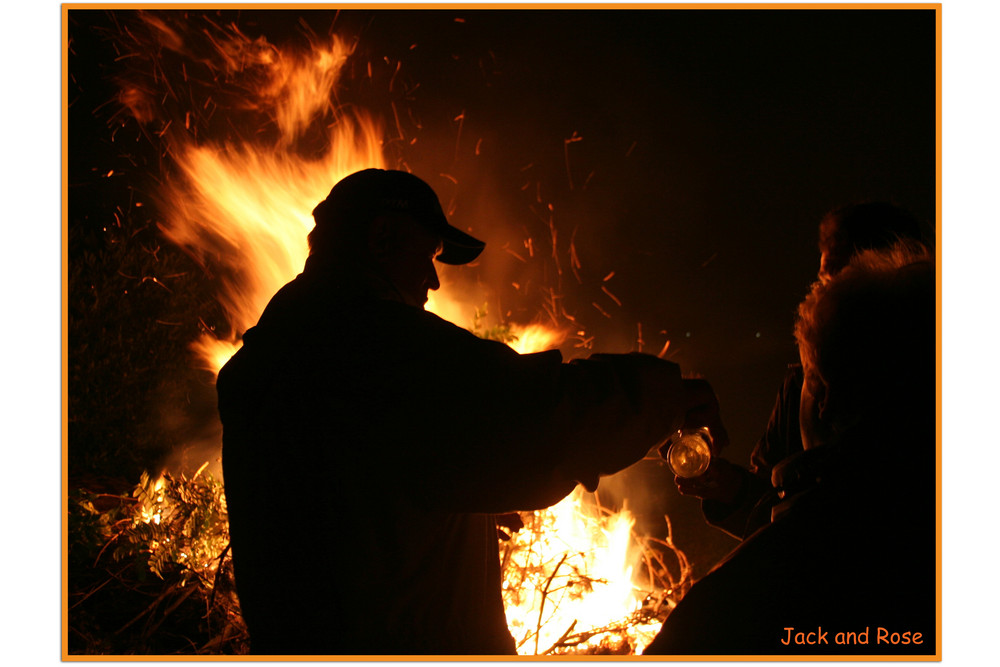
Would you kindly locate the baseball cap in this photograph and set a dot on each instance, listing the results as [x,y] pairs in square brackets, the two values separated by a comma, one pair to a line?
[370,192]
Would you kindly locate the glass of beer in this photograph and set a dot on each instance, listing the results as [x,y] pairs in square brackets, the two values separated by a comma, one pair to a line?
[689,451]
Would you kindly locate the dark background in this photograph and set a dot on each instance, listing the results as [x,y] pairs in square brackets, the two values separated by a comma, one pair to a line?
[710,144]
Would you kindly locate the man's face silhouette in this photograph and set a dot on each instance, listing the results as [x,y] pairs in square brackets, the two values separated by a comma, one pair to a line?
[405,251]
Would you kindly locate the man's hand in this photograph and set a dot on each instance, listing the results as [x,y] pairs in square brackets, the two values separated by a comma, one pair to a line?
[701,408]
[512,521]
[722,482]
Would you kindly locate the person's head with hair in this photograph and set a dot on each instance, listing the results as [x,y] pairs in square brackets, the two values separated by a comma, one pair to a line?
[847,230]
[389,223]
[867,341]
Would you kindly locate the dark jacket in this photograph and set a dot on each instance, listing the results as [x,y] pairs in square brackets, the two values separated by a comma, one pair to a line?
[851,549]
[366,447]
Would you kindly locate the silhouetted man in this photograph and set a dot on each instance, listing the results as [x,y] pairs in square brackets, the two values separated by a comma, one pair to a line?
[368,444]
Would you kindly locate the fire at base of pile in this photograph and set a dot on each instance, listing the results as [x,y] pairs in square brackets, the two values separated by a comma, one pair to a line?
[579,580]
[568,584]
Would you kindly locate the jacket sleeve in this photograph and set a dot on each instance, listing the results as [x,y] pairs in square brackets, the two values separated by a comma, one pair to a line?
[518,432]
[401,404]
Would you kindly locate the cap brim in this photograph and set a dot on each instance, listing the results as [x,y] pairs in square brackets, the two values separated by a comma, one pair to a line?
[459,247]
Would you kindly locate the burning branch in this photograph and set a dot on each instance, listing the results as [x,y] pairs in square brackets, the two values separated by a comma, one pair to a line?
[569,586]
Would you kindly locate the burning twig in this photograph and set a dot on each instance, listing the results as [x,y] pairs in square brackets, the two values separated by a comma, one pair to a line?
[98,588]
[148,610]
[545,595]
[561,640]
[550,582]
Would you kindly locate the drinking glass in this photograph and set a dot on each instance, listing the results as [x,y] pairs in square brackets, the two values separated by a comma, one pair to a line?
[689,451]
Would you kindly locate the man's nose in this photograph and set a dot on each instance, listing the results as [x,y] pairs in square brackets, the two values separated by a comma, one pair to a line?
[433,282]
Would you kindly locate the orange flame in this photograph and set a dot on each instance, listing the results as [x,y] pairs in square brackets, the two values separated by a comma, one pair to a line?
[245,210]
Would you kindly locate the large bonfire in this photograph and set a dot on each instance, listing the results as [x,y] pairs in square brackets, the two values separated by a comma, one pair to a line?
[577,578]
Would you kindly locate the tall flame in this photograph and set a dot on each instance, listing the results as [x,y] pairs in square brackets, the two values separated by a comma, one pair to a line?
[253,208]
[243,208]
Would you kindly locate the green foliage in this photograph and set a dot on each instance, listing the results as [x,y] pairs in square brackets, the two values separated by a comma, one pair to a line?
[151,572]
[90,528]
[179,526]
[500,332]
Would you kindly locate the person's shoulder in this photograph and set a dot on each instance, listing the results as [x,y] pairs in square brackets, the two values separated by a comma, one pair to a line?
[437,336]
[794,374]
[791,385]
[413,318]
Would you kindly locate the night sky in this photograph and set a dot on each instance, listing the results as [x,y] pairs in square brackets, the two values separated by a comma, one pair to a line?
[691,153]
